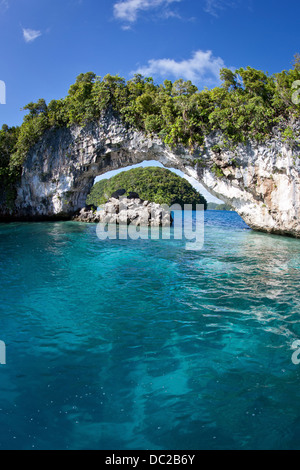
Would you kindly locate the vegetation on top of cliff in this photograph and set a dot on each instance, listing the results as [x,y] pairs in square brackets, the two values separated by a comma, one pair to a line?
[212,206]
[152,184]
[8,177]
[247,106]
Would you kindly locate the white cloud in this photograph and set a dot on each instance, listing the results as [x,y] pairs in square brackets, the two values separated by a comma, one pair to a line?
[3,5]
[31,35]
[213,7]
[203,68]
[128,10]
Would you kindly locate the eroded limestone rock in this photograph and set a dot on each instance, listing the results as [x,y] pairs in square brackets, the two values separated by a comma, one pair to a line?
[125,211]
[260,181]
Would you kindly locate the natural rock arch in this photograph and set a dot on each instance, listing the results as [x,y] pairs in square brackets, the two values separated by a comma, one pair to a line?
[260,181]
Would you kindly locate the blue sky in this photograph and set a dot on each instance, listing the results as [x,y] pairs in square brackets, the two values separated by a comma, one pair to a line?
[45,44]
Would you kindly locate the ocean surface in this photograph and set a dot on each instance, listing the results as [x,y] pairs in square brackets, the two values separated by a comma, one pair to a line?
[123,344]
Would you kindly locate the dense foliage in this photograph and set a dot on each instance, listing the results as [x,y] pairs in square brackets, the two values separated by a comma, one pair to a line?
[212,206]
[152,184]
[247,105]
[8,141]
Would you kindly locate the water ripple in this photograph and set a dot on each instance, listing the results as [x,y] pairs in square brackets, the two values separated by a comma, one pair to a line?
[121,345]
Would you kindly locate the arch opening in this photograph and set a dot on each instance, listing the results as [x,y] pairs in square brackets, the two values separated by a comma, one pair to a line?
[154,163]
[60,171]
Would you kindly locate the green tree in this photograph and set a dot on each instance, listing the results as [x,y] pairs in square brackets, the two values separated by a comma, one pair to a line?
[296,63]
[247,106]
[79,101]
[153,184]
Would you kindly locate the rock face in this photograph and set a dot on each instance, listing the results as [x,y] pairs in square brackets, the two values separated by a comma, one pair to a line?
[260,181]
[126,211]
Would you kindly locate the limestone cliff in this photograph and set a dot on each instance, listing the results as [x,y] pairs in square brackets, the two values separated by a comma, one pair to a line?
[260,181]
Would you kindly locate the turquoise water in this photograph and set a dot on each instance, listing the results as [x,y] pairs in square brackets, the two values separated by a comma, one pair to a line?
[144,345]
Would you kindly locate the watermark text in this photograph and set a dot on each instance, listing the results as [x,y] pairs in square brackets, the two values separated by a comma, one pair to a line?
[296,355]
[2,92]
[296,94]
[187,225]
[2,353]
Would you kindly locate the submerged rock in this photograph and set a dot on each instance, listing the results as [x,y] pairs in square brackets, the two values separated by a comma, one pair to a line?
[126,211]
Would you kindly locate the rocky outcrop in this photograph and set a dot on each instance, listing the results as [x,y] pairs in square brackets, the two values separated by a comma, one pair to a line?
[260,181]
[127,211]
